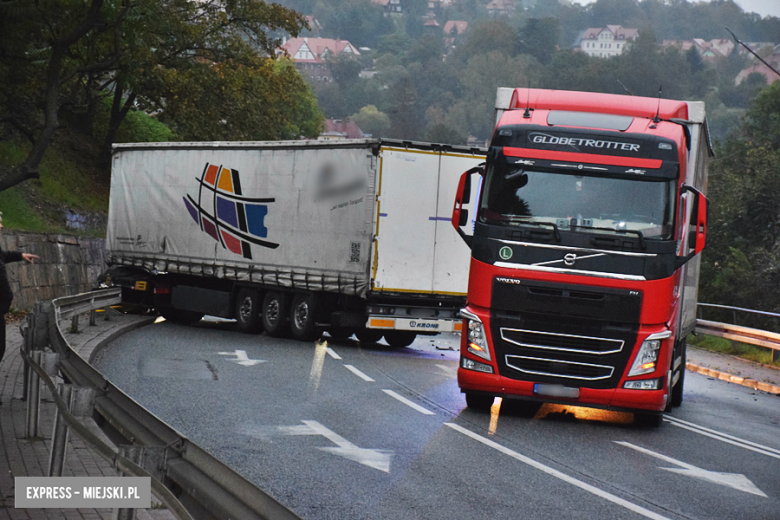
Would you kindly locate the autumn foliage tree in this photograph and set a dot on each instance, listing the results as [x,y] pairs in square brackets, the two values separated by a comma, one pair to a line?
[208,68]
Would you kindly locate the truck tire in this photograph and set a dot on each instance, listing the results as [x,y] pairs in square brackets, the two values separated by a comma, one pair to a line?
[479,402]
[274,316]
[247,311]
[677,390]
[400,338]
[302,323]
[369,335]
[181,317]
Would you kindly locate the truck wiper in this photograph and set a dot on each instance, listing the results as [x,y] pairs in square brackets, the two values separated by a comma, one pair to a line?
[613,230]
[529,223]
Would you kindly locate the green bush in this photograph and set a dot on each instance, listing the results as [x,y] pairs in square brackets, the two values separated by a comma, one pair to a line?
[137,127]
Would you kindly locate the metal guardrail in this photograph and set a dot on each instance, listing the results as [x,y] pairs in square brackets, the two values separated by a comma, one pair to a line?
[191,483]
[751,336]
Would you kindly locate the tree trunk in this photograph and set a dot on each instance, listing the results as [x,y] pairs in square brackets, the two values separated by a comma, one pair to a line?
[118,113]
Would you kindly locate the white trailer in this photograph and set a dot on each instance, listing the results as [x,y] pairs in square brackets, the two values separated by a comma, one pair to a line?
[347,236]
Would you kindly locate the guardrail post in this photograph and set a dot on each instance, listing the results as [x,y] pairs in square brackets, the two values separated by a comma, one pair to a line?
[92,317]
[33,399]
[775,355]
[107,312]
[59,436]
[74,323]
[134,454]
[27,332]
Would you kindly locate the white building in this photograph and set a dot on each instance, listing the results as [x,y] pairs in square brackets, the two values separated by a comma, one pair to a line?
[605,42]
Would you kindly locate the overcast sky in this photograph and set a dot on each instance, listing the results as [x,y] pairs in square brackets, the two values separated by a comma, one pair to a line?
[762,7]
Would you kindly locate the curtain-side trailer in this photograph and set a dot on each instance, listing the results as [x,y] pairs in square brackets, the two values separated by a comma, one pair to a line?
[348,236]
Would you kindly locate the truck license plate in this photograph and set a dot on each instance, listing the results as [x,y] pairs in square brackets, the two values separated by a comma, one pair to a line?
[557,391]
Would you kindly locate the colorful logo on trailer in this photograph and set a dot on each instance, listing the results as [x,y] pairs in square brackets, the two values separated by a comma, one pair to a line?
[226,215]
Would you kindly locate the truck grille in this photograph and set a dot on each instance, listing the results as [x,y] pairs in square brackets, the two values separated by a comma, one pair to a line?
[561,342]
[555,368]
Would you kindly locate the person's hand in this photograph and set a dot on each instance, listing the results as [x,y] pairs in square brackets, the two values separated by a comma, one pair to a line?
[29,258]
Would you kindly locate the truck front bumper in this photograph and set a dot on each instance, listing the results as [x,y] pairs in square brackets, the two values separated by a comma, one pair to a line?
[618,399]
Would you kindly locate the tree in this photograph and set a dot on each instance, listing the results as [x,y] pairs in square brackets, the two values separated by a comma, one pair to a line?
[36,40]
[741,265]
[404,116]
[73,53]
[372,121]
[539,38]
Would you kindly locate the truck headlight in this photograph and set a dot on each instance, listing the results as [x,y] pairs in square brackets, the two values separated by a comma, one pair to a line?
[647,358]
[476,340]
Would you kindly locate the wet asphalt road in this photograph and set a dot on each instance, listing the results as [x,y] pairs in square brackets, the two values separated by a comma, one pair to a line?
[340,430]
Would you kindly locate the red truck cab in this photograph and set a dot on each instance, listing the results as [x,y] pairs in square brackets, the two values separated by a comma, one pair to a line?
[586,234]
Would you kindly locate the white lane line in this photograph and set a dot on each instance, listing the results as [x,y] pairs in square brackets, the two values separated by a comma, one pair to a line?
[358,373]
[332,353]
[409,403]
[723,437]
[559,475]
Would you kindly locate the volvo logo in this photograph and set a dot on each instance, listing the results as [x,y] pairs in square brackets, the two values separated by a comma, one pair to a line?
[569,259]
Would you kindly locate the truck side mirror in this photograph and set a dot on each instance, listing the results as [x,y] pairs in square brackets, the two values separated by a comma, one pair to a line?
[695,231]
[460,215]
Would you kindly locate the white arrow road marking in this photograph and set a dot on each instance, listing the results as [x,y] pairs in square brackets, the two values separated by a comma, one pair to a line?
[377,459]
[358,373]
[733,480]
[724,437]
[558,474]
[452,372]
[242,358]
[408,403]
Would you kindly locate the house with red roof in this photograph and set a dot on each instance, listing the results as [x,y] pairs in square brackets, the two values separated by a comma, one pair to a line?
[712,50]
[760,68]
[341,129]
[310,55]
[605,42]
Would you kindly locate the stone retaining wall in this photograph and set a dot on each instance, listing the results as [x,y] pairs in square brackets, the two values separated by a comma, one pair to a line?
[68,265]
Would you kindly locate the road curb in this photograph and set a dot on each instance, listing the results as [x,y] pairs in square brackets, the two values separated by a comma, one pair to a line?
[744,381]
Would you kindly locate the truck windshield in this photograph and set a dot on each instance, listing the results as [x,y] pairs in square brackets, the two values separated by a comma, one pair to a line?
[513,196]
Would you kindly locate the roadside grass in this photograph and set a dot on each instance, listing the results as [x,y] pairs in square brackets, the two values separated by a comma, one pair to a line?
[69,181]
[734,348]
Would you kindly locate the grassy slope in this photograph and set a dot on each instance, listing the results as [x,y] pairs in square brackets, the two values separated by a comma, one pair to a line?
[70,181]
[743,350]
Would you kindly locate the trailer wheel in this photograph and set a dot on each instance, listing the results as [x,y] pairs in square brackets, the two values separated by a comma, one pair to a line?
[181,317]
[275,320]
[400,338]
[247,311]
[677,390]
[302,322]
[369,335]
[479,402]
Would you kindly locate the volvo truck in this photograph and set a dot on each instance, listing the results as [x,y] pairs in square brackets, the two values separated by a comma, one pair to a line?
[590,218]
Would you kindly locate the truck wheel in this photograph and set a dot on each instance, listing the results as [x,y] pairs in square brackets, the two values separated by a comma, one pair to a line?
[479,401]
[247,311]
[302,313]
[275,320]
[649,420]
[369,335]
[677,390]
[400,338]
[181,317]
